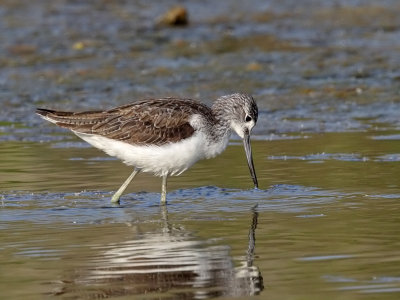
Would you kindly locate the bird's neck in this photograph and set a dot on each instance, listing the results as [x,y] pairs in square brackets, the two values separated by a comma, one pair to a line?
[219,132]
[222,111]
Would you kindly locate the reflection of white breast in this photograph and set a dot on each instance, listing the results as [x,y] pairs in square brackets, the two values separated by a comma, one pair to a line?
[158,261]
[160,254]
[171,260]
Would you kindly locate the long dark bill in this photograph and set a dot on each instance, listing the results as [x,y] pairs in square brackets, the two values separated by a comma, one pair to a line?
[249,155]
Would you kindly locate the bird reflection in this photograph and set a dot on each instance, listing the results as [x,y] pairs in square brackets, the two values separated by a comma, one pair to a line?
[248,280]
[172,262]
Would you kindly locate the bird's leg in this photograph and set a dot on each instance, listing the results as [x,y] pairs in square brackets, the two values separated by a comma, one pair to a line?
[164,190]
[117,195]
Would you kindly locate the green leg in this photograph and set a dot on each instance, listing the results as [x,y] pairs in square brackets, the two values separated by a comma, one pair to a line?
[117,195]
[164,190]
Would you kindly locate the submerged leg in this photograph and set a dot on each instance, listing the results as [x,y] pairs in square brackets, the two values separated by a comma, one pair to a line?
[164,190]
[117,195]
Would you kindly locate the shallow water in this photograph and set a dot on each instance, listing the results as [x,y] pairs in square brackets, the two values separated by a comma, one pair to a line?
[324,223]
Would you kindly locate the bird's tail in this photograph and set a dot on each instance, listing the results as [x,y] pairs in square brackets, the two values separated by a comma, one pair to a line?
[80,121]
[53,116]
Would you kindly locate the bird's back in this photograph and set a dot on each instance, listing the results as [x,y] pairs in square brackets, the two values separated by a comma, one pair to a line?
[146,122]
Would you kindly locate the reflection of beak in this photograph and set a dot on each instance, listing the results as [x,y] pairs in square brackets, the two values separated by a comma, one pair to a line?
[249,155]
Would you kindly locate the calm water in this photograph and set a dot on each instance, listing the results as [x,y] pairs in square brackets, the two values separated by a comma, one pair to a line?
[324,223]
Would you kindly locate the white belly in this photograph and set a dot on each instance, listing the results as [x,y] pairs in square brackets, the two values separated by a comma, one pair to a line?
[168,159]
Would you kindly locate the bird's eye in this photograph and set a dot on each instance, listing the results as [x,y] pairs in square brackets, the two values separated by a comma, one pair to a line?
[248,118]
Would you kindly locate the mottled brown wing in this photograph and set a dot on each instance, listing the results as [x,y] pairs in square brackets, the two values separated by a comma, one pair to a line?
[145,122]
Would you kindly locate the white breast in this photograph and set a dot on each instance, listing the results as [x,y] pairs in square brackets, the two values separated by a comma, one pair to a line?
[171,159]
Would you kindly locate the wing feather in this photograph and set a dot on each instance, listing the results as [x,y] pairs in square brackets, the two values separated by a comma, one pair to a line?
[156,121]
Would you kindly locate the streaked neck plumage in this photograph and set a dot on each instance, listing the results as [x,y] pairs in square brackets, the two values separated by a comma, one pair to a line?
[219,127]
[223,110]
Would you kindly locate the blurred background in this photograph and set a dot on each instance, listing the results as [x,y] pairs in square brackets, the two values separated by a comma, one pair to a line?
[329,61]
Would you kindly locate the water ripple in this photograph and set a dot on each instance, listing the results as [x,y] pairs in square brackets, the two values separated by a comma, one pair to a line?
[202,202]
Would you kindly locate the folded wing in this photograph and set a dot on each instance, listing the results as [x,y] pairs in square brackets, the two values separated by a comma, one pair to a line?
[154,122]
